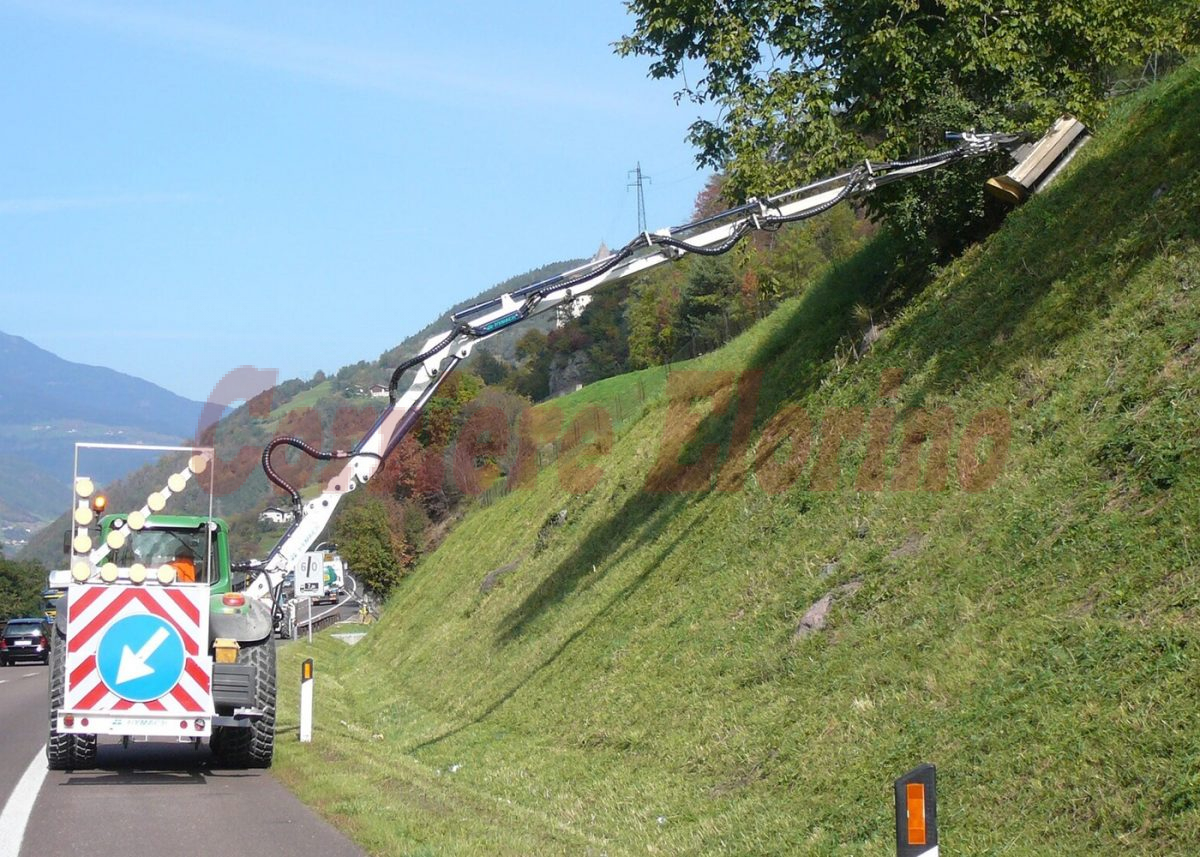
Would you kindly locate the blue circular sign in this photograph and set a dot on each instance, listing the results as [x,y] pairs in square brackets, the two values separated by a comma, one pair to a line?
[140,657]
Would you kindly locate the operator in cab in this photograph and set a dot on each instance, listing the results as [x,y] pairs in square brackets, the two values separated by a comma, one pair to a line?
[184,564]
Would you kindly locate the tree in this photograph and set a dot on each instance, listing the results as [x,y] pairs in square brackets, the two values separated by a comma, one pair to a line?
[710,308]
[492,370]
[369,536]
[652,316]
[532,379]
[806,87]
[21,584]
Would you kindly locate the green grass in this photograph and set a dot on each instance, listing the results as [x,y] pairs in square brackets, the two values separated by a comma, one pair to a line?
[306,399]
[635,683]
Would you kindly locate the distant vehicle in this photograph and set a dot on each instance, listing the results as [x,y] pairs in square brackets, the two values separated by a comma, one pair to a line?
[56,588]
[25,640]
[333,574]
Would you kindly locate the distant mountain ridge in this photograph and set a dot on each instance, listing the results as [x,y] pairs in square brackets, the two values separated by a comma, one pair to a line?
[48,403]
[36,386]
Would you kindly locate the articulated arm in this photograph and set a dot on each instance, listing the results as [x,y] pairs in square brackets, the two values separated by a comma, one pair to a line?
[711,236]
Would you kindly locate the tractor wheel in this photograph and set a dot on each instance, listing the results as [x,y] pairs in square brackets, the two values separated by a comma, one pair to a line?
[65,752]
[251,746]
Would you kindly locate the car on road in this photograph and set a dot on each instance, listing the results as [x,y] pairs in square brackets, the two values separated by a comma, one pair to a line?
[25,640]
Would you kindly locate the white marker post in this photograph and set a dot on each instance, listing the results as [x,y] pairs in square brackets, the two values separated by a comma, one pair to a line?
[306,700]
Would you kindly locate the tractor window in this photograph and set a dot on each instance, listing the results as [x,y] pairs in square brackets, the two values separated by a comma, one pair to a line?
[188,551]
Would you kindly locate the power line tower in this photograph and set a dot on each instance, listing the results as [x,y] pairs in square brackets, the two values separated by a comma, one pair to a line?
[637,182]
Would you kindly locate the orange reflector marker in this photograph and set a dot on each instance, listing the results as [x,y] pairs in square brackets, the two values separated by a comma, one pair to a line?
[306,670]
[916,813]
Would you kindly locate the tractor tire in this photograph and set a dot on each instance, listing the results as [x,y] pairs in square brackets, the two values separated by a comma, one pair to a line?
[251,746]
[65,752]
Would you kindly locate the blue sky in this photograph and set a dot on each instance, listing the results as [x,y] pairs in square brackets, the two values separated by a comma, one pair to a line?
[187,188]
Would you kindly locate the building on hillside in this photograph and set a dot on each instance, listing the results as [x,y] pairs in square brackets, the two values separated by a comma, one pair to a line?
[276,516]
[574,308]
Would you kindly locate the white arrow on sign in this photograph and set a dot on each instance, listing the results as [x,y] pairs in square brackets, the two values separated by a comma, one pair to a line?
[133,664]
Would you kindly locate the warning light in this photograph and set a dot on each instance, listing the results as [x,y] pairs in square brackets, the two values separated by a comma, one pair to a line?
[233,599]
[99,504]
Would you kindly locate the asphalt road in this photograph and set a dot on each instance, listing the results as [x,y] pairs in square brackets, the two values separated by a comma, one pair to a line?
[146,800]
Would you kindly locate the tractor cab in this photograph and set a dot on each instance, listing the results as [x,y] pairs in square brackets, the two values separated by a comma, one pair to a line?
[171,548]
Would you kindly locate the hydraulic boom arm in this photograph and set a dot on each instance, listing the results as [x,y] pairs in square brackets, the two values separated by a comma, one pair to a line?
[710,236]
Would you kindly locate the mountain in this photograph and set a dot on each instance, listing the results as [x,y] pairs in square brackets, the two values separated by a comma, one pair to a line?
[808,567]
[47,404]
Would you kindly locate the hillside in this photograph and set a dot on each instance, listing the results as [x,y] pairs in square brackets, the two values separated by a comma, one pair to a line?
[996,503]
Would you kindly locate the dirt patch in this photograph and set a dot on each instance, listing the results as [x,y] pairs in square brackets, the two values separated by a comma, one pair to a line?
[912,546]
[818,614]
[493,577]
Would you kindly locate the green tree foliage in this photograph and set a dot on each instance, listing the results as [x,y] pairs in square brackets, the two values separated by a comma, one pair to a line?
[488,367]
[804,88]
[532,378]
[370,537]
[710,309]
[652,316]
[21,584]
[600,333]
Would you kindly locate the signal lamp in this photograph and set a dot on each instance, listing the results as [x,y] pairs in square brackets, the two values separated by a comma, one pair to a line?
[99,504]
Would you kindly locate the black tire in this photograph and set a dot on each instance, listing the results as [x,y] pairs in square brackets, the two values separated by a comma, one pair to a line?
[251,746]
[65,752]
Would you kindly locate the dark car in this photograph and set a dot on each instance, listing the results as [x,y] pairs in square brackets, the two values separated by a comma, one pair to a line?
[25,640]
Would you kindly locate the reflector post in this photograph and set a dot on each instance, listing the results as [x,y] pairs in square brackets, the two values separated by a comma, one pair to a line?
[916,813]
[306,700]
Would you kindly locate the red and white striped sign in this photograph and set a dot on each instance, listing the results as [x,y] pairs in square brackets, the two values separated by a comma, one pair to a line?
[96,608]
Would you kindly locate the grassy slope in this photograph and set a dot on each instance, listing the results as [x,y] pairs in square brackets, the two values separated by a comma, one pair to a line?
[634,685]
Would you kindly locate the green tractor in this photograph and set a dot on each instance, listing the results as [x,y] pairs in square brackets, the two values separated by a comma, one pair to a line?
[151,640]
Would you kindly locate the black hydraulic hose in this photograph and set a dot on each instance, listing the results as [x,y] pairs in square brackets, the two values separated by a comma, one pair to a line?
[303,447]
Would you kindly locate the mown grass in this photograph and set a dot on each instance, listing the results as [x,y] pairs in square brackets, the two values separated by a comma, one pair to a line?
[637,683]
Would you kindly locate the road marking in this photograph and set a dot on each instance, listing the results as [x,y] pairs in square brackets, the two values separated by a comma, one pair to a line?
[30,675]
[20,804]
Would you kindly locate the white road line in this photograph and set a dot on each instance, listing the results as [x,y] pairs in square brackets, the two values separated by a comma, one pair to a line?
[30,675]
[20,805]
